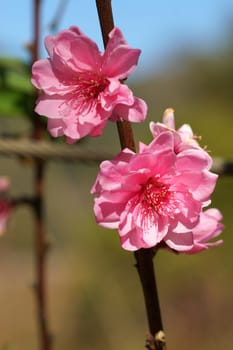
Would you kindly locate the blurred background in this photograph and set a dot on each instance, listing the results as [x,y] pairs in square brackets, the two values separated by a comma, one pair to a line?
[94,296]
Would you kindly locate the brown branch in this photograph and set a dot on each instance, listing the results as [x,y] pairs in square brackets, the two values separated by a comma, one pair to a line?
[22,200]
[40,235]
[144,257]
[222,166]
[47,150]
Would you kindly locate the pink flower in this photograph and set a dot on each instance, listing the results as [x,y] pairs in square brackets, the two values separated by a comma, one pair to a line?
[4,204]
[184,137]
[82,87]
[156,196]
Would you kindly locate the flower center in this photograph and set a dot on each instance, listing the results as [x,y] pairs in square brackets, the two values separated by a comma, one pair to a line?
[89,85]
[154,196]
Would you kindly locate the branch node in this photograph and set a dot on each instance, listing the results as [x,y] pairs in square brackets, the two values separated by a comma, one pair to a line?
[47,246]
[150,342]
[34,286]
[158,342]
[160,338]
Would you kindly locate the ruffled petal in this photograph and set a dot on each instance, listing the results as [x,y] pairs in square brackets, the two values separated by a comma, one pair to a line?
[132,241]
[122,95]
[43,77]
[135,113]
[50,106]
[108,212]
[55,127]
[119,60]
[196,159]
[180,242]
[85,54]
[68,34]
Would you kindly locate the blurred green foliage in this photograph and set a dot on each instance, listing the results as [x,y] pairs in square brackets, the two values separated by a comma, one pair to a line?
[94,293]
[15,88]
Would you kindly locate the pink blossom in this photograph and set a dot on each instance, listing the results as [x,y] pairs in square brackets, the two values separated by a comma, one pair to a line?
[4,204]
[156,196]
[82,87]
[184,137]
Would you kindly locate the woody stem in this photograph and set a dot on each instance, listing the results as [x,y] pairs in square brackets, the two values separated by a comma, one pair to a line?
[38,208]
[144,257]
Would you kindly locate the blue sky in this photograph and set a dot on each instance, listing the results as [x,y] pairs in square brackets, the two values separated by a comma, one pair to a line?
[158,28]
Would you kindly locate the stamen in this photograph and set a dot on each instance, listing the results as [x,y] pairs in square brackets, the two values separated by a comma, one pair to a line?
[87,87]
[156,197]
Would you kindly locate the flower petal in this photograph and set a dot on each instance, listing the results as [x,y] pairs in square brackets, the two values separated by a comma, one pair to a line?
[180,242]
[135,113]
[119,60]
[55,127]
[85,54]
[196,159]
[43,77]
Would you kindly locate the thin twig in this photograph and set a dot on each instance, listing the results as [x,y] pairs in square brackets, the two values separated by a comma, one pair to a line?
[40,235]
[144,257]
[47,150]
[22,200]
[58,15]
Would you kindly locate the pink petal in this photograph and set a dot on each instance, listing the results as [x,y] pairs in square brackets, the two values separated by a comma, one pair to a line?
[132,241]
[43,77]
[55,127]
[68,34]
[76,30]
[107,213]
[209,226]
[123,95]
[50,42]
[201,183]
[76,130]
[189,209]
[180,242]
[75,48]
[186,132]
[97,130]
[197,248]
[163,142]
[50,106]
[206,186]
[133,181]
[214,213]
[135,113]
[85,54]
[157,128]
[116,38]
[142,147]
[130,235]
[196,159]
[119,60]
[154,228]
[126,225]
